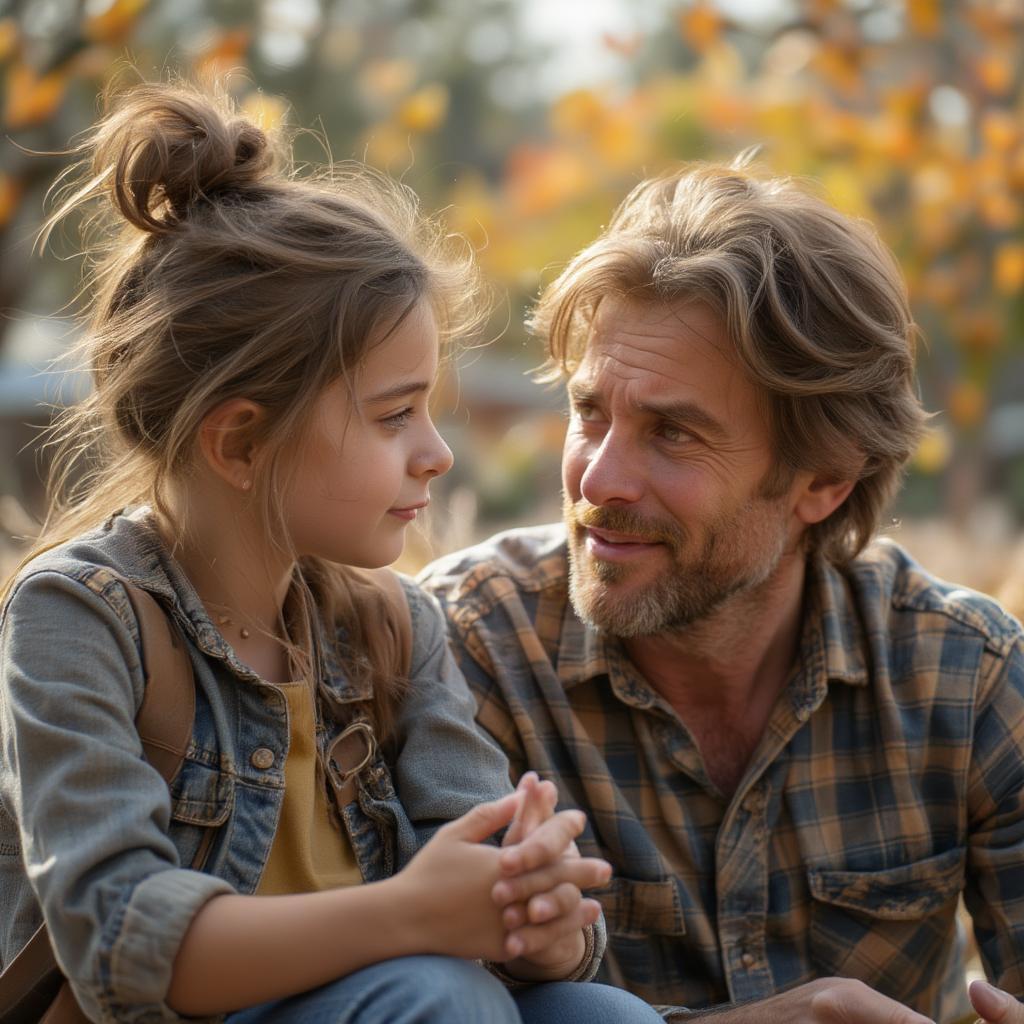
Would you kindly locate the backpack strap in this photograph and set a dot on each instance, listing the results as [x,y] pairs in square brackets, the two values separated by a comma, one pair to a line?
[168,709]
[354,748]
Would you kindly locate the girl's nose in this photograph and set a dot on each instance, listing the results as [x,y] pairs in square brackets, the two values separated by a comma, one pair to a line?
[434,458]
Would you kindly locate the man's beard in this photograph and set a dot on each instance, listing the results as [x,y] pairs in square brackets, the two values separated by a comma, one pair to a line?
[740,551]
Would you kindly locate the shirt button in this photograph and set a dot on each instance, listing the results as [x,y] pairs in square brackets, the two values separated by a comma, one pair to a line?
[748,960]
[262,758]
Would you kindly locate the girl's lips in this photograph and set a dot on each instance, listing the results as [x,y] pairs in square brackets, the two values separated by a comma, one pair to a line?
[407,513]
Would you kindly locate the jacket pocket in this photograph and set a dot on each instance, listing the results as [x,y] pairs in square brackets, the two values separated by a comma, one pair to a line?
[202,798]
[635,909]
[892,929]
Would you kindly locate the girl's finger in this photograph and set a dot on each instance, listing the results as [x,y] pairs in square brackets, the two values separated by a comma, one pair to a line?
[545,844]
[533,938]
[582,872]
[557,902]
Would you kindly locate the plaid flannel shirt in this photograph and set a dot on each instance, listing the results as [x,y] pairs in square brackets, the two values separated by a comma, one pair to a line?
[889,779]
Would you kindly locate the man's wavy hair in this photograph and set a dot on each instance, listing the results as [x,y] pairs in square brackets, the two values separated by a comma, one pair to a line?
[812,300]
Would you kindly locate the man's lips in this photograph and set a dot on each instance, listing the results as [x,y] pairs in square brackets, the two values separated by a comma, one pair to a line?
[613,546]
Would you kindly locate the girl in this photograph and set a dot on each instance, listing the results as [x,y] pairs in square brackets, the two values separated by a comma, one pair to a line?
[262,351]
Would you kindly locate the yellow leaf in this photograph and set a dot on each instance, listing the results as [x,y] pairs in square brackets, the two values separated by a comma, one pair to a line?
[8,37]
[925,17]
[933,451]
[386,146]
[425,109]
[845,189]
[1009,268]
[114,23]
[701,25]
[268,112]
[32,99]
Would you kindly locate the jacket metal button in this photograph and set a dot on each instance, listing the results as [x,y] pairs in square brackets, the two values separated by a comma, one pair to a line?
[748,960]
[262,758]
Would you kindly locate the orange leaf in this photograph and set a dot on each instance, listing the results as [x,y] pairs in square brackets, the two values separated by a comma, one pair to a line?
[624,46]
[996,71]
[10,193]
[925,17]
[967,404]
[8,37]
[700,25]
[999,130]
[1009,268]
[225,54]
[32,99]
[115,23]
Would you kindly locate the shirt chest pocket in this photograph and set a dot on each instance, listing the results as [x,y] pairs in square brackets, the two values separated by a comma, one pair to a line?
[202,798]
[636,909]
[893,929]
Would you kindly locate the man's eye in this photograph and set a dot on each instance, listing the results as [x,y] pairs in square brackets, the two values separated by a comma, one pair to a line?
[585,411]
[398,419]
[673,434]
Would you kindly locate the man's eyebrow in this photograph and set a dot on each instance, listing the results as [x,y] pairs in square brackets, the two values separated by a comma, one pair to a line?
[404,390]
[688,413]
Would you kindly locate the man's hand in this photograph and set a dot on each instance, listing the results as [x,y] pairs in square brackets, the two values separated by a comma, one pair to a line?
[824,1001]
[994,1006]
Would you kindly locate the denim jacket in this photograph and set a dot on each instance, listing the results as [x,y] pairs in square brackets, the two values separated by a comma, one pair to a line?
[91,839]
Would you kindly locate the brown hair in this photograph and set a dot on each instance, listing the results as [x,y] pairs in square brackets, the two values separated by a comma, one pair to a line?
[219,273]
[812,300]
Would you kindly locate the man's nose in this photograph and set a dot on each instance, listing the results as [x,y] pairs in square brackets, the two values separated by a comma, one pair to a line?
[613,473]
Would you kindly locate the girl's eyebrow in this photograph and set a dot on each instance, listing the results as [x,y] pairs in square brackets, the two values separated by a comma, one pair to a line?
[403,390]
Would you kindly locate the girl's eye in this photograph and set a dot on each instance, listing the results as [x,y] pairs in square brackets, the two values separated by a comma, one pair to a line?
[398,419]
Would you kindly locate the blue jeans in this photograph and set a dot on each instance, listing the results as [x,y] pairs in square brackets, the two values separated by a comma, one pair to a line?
[444,990]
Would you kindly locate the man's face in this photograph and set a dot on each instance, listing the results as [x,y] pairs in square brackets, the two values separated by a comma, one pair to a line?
[663,470]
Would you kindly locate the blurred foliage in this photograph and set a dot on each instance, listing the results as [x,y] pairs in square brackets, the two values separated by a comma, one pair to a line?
[909,112]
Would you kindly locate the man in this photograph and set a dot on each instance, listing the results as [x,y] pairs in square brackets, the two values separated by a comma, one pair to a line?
[795,747]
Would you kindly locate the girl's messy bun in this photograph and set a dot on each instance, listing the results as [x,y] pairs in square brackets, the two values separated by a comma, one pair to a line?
[159,152]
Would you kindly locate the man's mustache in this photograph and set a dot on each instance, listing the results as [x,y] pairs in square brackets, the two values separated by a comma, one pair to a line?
[622,520]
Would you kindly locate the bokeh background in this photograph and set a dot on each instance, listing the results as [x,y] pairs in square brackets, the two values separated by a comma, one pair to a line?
[525,121]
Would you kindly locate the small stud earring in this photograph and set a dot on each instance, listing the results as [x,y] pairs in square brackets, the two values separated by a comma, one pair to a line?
[246,485]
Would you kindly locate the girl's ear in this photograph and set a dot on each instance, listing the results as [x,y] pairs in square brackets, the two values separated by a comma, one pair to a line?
[226,441]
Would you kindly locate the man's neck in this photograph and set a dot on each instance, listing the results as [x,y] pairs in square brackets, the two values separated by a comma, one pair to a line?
[723,675]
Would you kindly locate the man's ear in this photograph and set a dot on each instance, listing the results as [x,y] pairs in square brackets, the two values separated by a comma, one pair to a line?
[820,497]
[226,441]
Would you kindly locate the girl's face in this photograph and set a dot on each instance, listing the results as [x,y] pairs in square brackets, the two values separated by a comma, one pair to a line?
[363,474]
